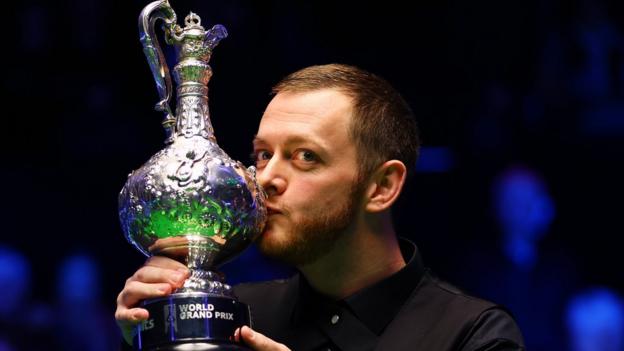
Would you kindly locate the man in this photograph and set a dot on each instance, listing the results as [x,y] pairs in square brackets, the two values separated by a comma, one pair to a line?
[333,151]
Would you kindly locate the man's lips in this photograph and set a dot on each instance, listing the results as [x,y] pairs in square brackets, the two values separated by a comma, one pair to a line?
[272,210]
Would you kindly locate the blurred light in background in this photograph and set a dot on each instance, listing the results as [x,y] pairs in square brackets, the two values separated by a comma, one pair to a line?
[595,321]
[78,280]
[524,210]
[15,281]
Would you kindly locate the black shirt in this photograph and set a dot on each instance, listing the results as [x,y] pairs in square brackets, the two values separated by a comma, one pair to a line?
[410,310]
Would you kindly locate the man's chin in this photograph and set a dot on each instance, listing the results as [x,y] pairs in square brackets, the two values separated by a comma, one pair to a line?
[301,241]
[270,248]
[277,244]
[268,239]
[270,232]
[292,250]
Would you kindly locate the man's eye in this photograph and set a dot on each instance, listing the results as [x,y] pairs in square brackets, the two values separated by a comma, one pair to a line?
[261,157]
[306,156]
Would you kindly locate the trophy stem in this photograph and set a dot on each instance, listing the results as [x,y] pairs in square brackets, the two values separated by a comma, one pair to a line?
[203,281]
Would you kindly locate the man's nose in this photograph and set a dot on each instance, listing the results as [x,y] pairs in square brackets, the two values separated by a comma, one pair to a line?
[272,177]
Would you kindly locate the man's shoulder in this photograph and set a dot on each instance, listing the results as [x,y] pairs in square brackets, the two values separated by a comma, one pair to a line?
[442,316]
[488,323]
[446,293]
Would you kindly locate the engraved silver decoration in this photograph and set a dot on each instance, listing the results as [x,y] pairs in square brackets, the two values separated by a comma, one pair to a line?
[190,201]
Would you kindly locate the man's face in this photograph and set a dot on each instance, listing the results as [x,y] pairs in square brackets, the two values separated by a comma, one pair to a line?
[307,164]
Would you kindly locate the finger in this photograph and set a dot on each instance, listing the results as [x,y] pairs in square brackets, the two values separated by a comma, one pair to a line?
[259,342]
[127,319]
[135,291]
[130,316]
[153,274]
[164,262]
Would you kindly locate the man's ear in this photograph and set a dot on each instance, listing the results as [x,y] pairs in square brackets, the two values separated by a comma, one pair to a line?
[385,185]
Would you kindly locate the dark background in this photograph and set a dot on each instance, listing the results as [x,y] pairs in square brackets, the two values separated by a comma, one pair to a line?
[492,83]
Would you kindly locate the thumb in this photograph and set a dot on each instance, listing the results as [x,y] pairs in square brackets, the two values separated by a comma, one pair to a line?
[259,342]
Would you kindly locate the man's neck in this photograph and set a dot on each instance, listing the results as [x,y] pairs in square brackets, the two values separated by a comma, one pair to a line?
[359,259]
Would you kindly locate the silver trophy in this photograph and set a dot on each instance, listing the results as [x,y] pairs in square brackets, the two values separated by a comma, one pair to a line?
[190,201]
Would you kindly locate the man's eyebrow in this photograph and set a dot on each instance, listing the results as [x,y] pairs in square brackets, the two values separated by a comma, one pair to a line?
[291,140]
[257,140]
[299,139]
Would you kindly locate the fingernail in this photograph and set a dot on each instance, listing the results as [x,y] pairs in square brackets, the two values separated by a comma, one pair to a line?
[163,289]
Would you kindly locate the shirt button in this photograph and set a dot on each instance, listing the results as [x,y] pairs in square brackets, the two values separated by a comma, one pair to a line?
[334,319]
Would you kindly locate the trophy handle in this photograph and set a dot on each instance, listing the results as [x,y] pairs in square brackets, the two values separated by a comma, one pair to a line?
[158,10]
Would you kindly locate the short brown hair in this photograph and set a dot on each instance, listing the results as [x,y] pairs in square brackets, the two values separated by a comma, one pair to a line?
[383,125]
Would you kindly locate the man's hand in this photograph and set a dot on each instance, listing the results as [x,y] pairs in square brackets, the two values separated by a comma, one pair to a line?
[257,341]
[158,277]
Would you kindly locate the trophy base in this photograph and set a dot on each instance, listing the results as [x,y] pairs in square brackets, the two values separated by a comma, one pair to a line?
[192,321]
[201,347]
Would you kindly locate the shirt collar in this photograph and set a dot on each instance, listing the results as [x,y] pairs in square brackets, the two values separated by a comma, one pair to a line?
[375,306]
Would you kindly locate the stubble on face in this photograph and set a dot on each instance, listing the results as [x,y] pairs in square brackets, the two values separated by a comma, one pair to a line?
[313,235]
